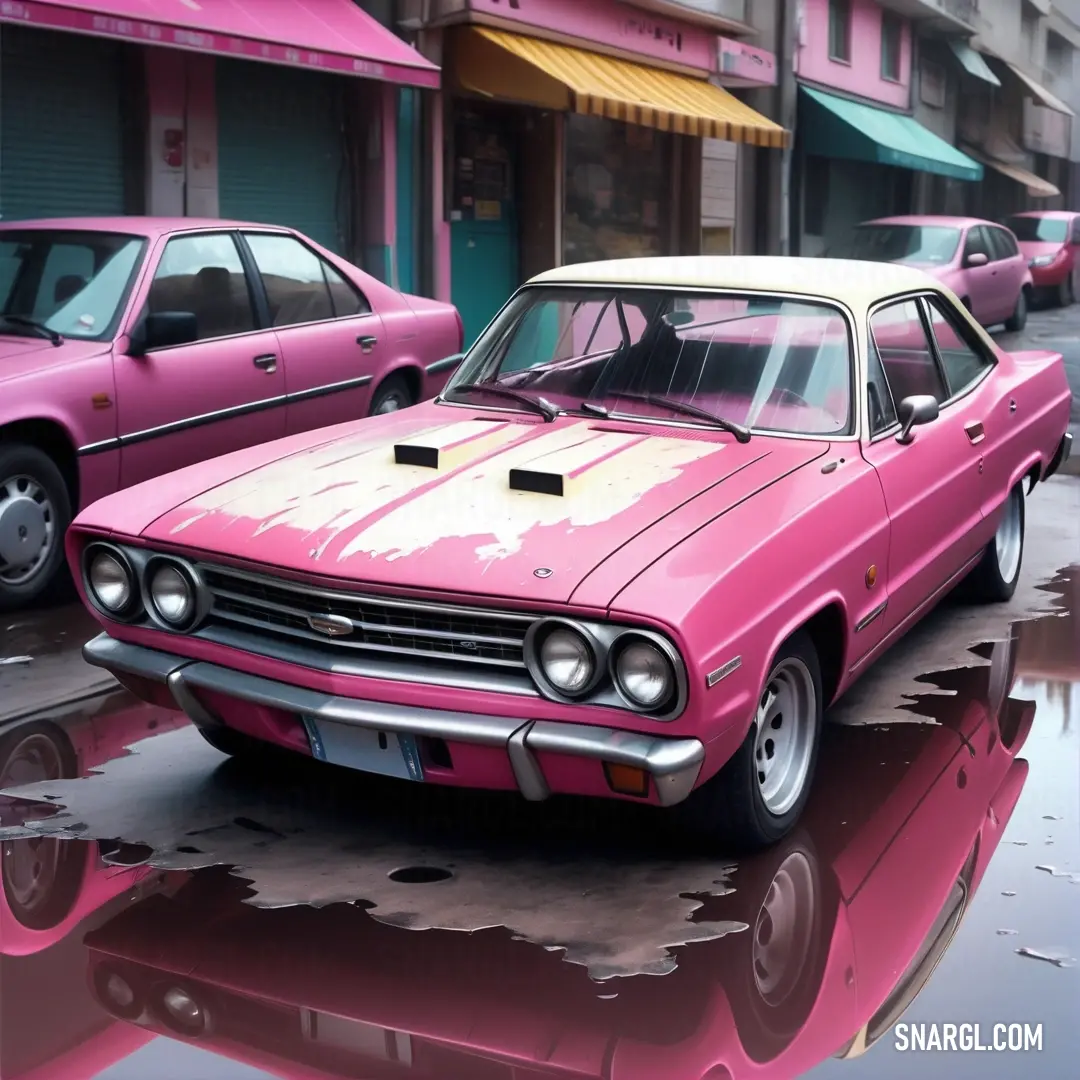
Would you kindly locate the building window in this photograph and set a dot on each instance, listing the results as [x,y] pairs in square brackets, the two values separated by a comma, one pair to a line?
[840,30]
[892,31]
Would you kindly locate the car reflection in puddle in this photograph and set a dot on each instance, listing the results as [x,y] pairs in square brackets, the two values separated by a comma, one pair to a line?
[845,922]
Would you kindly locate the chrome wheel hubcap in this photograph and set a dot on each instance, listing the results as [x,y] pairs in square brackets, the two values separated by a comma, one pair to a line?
[784,930]
[391,404]
[786,729]
[27,529]
[1007,540]
[30,866]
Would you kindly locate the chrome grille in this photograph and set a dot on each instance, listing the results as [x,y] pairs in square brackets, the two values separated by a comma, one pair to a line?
[268,609]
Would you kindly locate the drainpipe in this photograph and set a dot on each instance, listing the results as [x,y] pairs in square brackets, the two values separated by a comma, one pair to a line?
[789,17]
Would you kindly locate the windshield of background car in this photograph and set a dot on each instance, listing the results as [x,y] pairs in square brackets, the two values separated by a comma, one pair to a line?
[71,282]
[921,245]
[1045,230]
[768,362]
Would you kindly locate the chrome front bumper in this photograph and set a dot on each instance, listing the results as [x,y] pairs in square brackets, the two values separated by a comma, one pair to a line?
[673,764]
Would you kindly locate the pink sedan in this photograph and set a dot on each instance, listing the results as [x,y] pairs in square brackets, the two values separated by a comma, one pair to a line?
[1049,240]
[133,346]
[979,261]
[665,512]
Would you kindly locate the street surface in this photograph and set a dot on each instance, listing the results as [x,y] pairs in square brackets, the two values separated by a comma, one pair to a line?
[241,924]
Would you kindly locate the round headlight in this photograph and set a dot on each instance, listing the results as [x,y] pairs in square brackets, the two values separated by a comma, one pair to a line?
[110,582]
[567,661]
[183,1010]
[172,594]
[645,674]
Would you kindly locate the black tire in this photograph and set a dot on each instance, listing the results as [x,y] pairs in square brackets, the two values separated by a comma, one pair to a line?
[392,395]
[729,809]
[236,744]
[22,460]
[1018,320]
[993,581]
[1063,294]
[63,860]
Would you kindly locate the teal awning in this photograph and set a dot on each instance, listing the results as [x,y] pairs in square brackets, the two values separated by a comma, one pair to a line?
[973,62]
[838,128]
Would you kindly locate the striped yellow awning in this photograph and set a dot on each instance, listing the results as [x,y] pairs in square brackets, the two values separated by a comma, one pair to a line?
[497,64]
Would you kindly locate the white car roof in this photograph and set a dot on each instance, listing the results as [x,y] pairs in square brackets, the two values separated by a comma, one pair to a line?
[857,284]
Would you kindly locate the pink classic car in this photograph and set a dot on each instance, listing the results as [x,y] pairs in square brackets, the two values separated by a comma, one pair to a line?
[847,920]
[665,512]
[979,261]
[1050,240]
[133,346]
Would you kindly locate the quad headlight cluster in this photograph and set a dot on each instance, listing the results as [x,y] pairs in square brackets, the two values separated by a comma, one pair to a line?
[126,585]
[574,661]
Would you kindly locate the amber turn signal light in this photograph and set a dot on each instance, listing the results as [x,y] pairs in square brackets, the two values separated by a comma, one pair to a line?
[627,780]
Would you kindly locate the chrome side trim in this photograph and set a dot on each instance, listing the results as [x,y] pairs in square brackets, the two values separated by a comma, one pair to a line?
[674,764]
[444,364]
[722,672]
[223,414]
[866,620]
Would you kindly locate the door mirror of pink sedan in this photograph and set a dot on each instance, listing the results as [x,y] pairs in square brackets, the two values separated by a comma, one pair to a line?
[976,258]
[161,329]
[915,410]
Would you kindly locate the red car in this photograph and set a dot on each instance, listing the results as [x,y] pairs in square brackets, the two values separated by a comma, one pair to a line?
[1049,240]
[130,347]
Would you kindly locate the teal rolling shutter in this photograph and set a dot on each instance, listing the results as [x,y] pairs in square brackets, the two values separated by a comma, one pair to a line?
[61,142]
[281,156]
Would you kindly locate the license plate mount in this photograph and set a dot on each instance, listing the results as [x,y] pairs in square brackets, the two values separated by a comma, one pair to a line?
[384,753]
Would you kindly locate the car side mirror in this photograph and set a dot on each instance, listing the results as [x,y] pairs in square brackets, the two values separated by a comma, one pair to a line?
[161,329]
[913,411]
[976,258]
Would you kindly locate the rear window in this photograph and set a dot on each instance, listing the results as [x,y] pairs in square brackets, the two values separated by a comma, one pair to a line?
[1047,230]
[924,245]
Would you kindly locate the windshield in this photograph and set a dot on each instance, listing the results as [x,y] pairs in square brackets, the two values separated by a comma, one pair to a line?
[1047,230]
[769,363]
[70,282]
[924,245]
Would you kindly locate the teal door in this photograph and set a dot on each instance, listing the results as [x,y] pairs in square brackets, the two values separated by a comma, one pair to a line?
[484,270]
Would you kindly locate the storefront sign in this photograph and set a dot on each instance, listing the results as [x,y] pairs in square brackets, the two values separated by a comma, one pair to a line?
[745,65]
[611,23]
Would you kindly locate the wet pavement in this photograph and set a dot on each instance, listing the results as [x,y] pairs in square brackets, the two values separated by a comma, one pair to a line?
[168,913]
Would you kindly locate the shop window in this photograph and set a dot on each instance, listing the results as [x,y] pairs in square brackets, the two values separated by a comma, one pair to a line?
[892,34]
[906,354]
[203,274]
[301,287]
[619,198]
[840,30]
[816,198]
[964,364]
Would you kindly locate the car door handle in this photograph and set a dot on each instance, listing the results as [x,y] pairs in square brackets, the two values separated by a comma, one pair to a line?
[975,432]
[1012,405]
[268,362]
[367,342]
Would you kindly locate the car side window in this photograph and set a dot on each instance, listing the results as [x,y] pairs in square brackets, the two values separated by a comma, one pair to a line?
[301,287]
[879,400]
[975,243]
[202,273]
[899,333]
[1001,246]
[963,363]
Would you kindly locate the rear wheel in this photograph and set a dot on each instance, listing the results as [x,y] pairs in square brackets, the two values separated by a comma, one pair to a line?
[995,577]
[35,511]
[1018,320]
[757,797]
[393,395]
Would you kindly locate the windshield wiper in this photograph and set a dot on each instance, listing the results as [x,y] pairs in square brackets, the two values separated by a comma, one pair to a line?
[741,433]
[538,404]
[33,324]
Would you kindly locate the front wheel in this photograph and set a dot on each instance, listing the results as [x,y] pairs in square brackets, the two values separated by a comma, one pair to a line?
[35,511]
[1018,320]
[393,395]
[994,579]
[758,796]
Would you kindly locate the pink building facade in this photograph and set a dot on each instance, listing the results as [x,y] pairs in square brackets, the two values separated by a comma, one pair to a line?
[860,151]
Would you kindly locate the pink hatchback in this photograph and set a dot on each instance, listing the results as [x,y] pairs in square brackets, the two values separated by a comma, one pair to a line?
[980,261]
[1049,240]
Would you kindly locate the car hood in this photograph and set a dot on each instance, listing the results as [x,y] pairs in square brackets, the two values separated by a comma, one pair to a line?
[27,355]
[1032,249]
[477,505]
